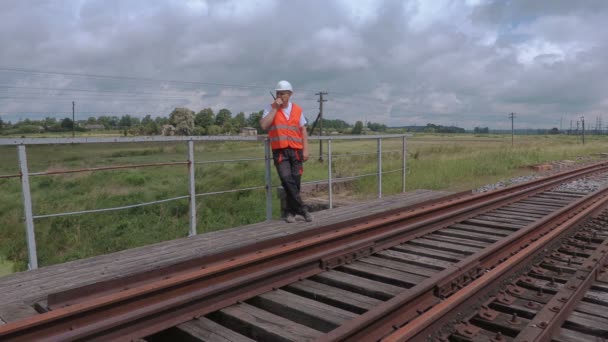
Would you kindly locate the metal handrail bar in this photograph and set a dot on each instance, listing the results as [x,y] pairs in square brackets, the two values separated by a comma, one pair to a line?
[228,160]
[98,140]
[105,168]
[10,176]
[230,191]
[361,153]
[111,209]
[355,177]
[225,138]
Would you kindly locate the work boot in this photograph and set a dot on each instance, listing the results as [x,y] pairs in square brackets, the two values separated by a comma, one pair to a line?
[290,218]
[307,216]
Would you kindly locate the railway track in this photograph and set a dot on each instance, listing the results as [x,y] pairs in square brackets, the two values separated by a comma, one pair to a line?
[353,281]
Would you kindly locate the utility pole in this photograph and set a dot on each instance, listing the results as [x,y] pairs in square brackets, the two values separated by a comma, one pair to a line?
[73,120]
[583,124]
[321,100]
[512,117]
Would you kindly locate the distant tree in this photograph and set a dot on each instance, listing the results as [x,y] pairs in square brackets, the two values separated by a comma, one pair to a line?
[239,121]
[149,126]
[92,120]
[358,129]
[554,130]
[183,120]
[67,124]
[214,130]
[254,120]
[146,120]
[126,121]
[1,124]
[161,121]
[376,127]
[223,116]
[228,127]
[205,118]
[51,124]
[481,130]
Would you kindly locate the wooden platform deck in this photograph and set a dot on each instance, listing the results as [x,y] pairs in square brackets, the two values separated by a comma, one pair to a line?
[20,291]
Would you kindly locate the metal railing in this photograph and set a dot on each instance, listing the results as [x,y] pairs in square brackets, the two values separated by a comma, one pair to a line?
[25,175]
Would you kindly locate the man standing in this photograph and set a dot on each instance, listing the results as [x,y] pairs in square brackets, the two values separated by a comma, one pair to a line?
[286,123]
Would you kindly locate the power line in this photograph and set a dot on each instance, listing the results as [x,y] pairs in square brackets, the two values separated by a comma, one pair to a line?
[130,78]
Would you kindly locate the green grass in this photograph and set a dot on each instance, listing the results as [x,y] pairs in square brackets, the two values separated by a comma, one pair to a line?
[434,162]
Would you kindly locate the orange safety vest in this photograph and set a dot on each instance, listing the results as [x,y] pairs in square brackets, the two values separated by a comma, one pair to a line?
[285,133]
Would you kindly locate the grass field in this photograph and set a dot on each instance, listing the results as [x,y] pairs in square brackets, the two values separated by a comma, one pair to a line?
[453,163]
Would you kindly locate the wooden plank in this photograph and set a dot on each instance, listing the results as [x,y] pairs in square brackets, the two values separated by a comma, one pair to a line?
[597,297]
[358,285]
[593,309]
[587,324]
[414,259]
[567,335]
[261,325]
[334,296]
[523,209]
[445,246]
[557,198]
[482,230]
[513,211]
[519,221]
[457,241]
[542,203]
[429,252]
[550,201]
[467,235]
[530,206]
[204,329]
[566,193]
[302,310]
[382,274]
[495,224]
[508,217]
[400,266]
[16,311]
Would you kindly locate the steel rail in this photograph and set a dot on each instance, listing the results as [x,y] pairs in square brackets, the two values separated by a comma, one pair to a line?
[379,321]
[551,317]
[200,286]
[428,323]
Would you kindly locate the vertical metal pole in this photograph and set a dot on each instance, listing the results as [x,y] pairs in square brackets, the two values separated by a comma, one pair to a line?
[379,167]
[268,157]
[73,120]
[27,208]
[192,188]
[404,163]
[329,181]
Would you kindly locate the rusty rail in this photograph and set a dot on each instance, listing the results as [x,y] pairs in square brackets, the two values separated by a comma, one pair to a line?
[427,324]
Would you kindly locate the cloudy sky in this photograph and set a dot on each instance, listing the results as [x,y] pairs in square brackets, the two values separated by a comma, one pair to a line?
[467,63]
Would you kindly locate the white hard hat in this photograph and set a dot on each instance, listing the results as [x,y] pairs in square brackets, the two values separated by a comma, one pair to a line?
[284,85]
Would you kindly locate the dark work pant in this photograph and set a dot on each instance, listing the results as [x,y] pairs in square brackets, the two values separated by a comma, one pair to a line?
[288,162]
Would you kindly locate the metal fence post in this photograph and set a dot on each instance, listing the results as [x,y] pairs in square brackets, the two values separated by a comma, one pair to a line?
[268,156]
[379,167]
[329,187]
[191,167]
[404,165]
[27,208]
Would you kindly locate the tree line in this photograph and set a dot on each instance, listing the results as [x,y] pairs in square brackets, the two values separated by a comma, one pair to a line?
[181,121]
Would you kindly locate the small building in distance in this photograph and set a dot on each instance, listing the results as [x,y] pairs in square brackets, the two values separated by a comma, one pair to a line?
[94,127]
[248,131]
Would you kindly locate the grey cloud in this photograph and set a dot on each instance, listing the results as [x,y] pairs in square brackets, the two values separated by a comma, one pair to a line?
[400,64]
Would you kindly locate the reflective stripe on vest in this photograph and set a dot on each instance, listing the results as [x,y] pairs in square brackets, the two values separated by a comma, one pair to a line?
[285,133]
